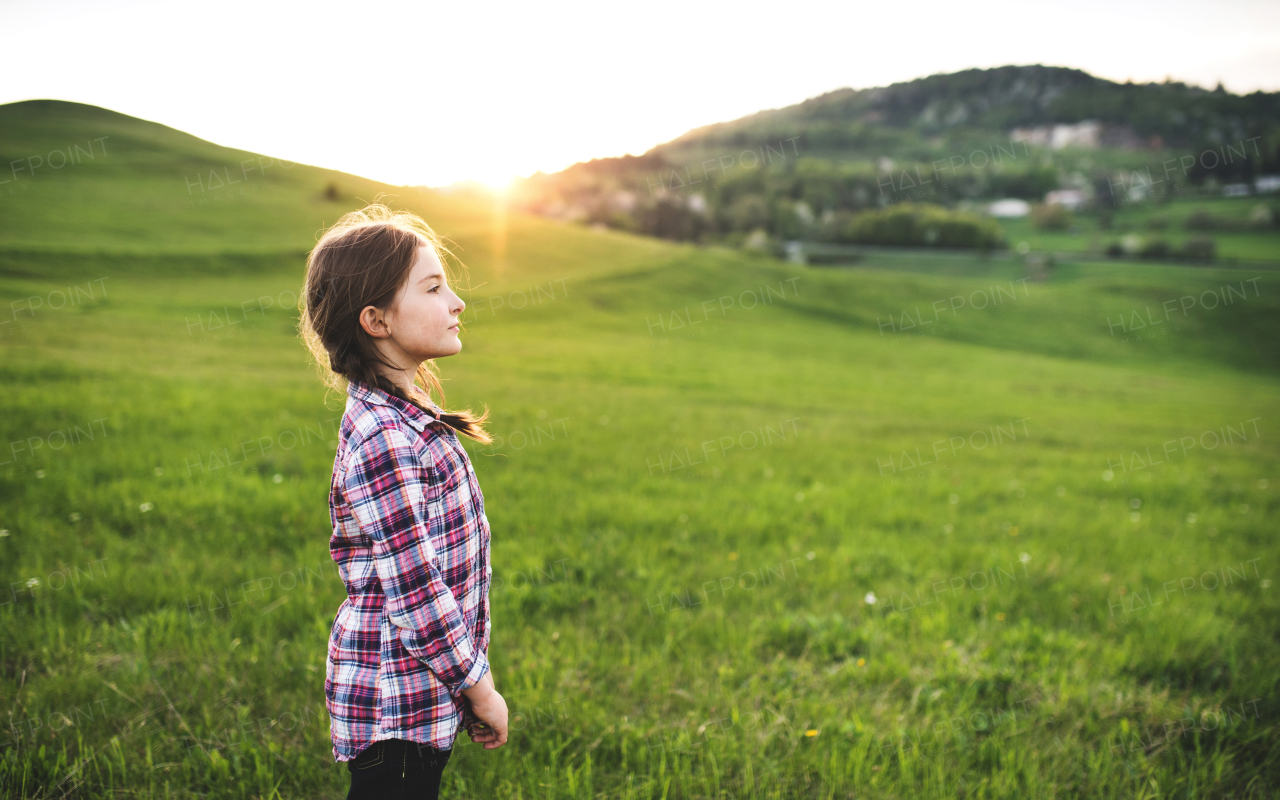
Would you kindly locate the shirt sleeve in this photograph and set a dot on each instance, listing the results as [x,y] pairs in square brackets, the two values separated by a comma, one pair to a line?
[386,486]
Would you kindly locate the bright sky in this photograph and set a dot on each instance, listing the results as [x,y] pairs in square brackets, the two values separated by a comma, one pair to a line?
[431,93]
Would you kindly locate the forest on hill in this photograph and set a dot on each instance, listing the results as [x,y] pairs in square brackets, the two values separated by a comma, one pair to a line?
[958,141]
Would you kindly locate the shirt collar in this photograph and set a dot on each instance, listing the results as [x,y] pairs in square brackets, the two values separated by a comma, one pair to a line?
[414,415]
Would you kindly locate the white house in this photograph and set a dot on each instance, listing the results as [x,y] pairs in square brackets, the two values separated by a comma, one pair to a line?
[1010,207]
[1267,183]
[1072,199]
[1086,134]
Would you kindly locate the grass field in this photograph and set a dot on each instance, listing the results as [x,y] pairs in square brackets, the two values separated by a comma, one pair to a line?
[760,531]
[1164,221]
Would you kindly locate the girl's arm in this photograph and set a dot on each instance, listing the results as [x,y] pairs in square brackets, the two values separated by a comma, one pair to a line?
[386,486]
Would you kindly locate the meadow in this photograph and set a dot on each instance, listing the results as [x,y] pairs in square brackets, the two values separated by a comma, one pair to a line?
[759,530]
[1237,242]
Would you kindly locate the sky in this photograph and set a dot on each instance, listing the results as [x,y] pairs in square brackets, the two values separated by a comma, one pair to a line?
[432,93]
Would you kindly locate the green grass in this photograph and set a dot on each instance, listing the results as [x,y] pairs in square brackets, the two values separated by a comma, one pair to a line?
[659,631]
[1157,220]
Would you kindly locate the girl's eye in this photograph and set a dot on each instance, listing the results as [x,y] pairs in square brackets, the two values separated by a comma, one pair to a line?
[434,288]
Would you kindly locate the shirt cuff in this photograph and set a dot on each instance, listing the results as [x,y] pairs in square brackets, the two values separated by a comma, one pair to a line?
[477,672]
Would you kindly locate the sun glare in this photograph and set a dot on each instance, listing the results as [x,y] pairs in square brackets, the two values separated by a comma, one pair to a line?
[498,183]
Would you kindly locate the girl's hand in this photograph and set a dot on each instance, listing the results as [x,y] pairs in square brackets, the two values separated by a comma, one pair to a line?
[486,721]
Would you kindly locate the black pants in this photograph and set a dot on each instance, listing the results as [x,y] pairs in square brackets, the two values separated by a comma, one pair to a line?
[395,769]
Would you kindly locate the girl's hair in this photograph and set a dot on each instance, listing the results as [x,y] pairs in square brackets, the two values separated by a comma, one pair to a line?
[363,260]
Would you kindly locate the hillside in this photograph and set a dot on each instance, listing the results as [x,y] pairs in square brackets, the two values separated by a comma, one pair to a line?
[138,208]
[760,530]
[959,140]
[151,192]
[996,101]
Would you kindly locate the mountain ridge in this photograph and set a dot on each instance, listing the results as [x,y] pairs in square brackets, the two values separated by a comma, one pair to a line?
[1003,98]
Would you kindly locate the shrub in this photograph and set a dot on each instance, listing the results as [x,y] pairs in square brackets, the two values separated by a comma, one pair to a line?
[1156,248]
[909,224]
[1200,248]
[1115,249]
[1201,220]
[1051,216]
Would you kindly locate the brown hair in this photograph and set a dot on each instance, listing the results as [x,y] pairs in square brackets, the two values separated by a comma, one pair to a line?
[363,260]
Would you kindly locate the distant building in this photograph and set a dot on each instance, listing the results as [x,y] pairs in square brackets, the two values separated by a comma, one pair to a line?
[623,201]
[804,213]
[1009,207]
[795,253]
[1267,183]
[1067,198]
[1086,134]
[757,240]
[698,203]
[1235,190]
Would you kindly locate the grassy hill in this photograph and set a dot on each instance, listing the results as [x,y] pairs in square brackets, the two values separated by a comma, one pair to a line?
[709,465]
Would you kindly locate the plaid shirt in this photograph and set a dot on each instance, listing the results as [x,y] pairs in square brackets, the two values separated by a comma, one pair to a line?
[412,544]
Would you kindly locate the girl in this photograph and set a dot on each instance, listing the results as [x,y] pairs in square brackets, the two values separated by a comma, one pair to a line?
[408,662]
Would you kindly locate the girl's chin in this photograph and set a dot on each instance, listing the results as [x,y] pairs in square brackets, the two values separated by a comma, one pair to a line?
[446,349]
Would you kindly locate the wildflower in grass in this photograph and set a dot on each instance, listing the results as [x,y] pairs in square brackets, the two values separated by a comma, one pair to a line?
[145,507]
[811,733]
[870,598]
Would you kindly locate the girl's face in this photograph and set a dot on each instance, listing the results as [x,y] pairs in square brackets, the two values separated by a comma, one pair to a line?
[423,320]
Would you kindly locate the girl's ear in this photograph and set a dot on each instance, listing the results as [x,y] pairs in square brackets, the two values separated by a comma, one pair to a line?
[374,322]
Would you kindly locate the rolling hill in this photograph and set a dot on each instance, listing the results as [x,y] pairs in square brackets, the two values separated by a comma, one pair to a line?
[995,101]
[759,530]
[956,140]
